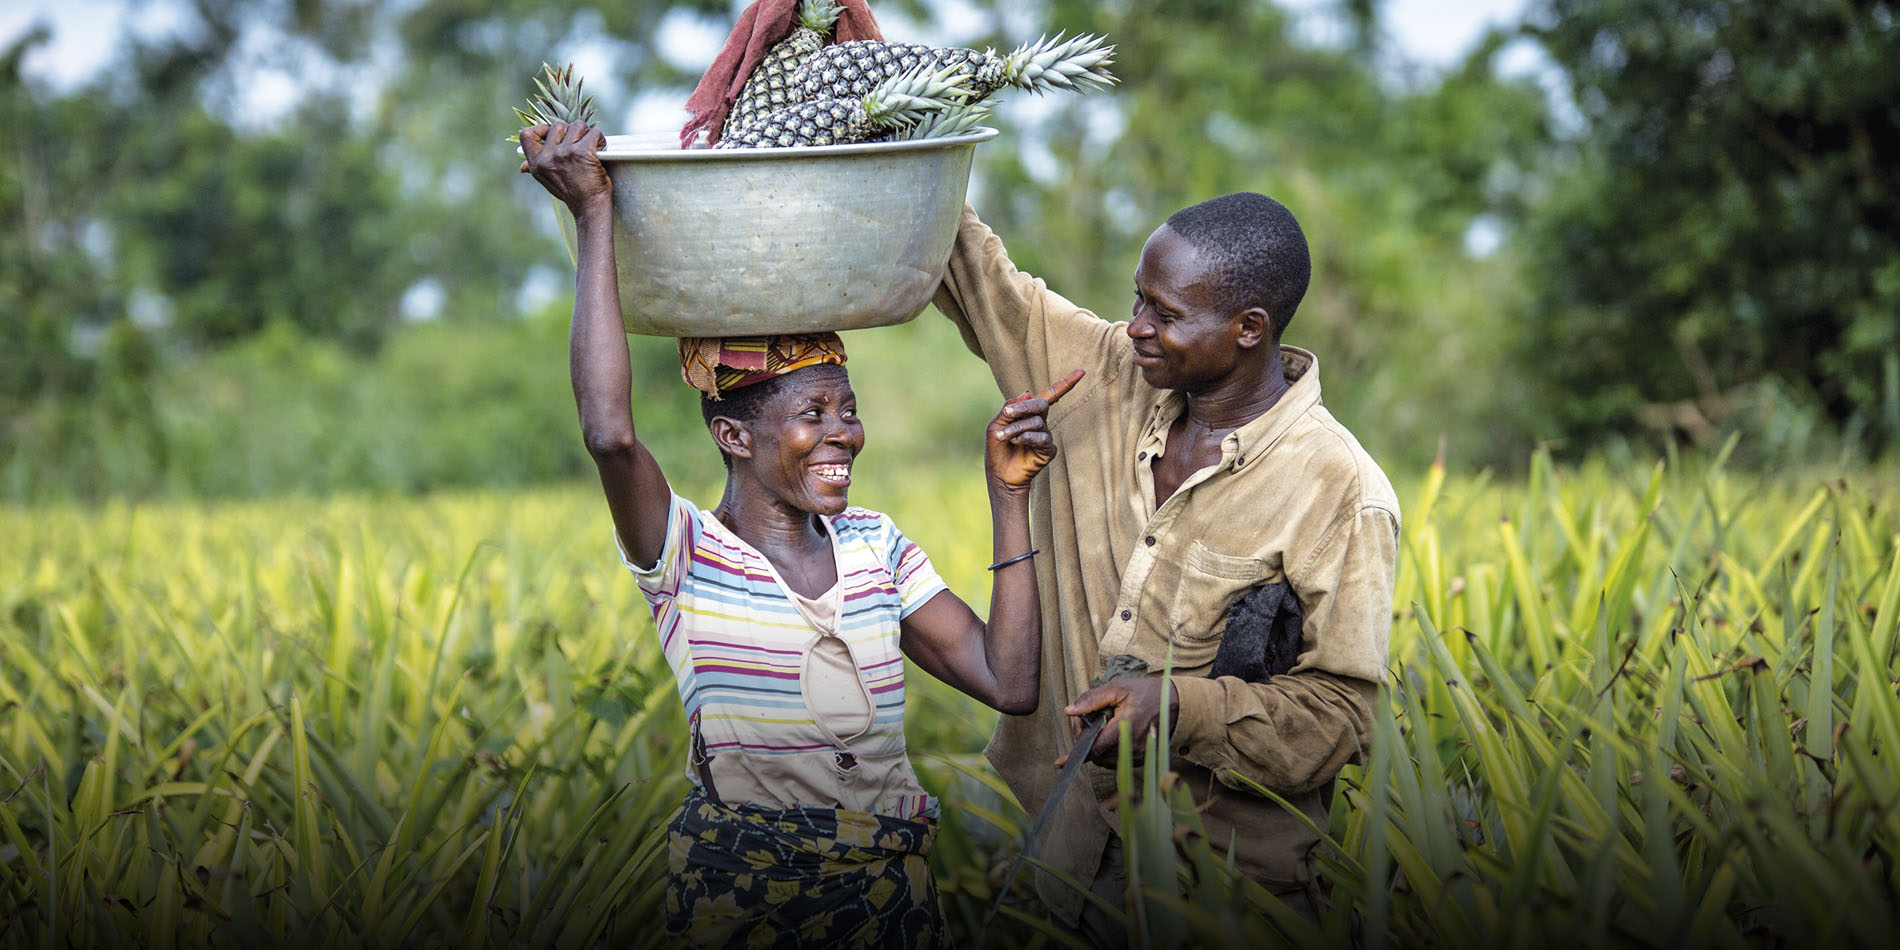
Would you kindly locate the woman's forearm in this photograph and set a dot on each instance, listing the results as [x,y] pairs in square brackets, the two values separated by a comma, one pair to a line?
[597,340]
[1012,639]
[999,661]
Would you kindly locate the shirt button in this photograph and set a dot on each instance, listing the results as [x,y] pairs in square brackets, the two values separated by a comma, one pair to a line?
[1151,540]
[1127,614]
[1141,456]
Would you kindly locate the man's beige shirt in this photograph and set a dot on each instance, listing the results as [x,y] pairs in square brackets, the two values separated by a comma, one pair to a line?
[1293,498]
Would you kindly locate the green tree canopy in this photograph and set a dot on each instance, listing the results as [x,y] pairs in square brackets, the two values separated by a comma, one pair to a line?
[1386,177]
[1730,216]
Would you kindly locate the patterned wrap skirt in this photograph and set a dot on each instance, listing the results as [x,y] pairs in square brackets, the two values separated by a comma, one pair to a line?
[747,876]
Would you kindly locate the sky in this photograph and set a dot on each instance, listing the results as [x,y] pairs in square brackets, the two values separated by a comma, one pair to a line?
[1430,32]
[1438,32]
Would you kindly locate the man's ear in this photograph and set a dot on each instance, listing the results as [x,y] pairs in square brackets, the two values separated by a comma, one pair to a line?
[732,437]
[1252,327]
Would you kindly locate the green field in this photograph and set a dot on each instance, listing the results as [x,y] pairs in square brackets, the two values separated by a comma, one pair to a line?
[1629,707]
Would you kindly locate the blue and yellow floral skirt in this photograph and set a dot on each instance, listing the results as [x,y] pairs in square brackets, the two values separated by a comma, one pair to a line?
[754,877]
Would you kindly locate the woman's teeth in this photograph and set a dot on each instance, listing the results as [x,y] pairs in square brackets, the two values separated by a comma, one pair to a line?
[840,474]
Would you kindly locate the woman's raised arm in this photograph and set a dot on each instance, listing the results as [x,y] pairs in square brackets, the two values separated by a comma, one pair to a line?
[999,662]
[562,158]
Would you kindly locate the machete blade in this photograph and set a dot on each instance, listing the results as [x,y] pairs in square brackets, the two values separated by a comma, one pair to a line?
[1032,842]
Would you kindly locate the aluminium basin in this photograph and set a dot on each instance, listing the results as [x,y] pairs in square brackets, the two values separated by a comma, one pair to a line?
[725,242]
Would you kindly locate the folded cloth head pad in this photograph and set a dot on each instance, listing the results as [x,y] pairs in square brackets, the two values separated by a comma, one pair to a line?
[715,364]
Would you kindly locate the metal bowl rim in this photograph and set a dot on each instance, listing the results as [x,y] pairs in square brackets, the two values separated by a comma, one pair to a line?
[980,134]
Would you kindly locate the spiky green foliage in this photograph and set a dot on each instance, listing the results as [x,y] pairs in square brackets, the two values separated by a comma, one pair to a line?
[819,16]
[557,99]
[895,103]
[1076,64]
[1627,709]
[942,123]
[769,88]
[1632,713]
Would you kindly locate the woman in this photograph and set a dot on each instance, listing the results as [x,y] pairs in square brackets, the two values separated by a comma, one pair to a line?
[786,615]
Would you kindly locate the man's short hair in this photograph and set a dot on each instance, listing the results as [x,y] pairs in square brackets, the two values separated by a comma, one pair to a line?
[1254,249]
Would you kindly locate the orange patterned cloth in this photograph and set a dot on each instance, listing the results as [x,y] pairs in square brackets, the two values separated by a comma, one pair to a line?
[715,364]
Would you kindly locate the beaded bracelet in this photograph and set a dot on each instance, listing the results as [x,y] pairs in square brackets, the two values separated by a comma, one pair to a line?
[1020,557]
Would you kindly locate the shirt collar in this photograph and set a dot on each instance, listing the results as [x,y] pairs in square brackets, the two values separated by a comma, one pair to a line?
[1248,442]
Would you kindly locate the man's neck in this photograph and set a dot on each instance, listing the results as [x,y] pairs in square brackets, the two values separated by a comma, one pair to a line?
[1239,399]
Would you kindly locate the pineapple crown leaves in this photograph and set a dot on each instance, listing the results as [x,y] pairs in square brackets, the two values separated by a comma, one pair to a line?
[910,95]
[819,15]
[955,120]
[557,98]
[1078,63]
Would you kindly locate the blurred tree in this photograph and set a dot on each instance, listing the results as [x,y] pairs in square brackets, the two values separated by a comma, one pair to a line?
[239,232]
[381,173]
[71,352]
[160,190]
[49,281]
[1730,216]
[1388,178]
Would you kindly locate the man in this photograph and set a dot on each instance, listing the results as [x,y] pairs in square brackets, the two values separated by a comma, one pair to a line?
[1197,464]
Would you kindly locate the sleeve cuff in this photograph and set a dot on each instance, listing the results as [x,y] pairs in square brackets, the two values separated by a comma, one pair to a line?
[1199,716]
[666,550]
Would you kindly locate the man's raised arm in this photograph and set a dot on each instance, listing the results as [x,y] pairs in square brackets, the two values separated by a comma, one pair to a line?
[1015,323]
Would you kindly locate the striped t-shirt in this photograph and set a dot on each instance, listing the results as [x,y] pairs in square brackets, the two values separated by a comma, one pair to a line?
[738,648]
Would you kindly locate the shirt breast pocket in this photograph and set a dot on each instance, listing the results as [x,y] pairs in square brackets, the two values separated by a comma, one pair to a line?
[1210,580]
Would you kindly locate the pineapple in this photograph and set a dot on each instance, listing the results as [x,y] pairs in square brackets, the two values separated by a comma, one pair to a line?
[770,86]
[558,99]
[852,69]
[898,102]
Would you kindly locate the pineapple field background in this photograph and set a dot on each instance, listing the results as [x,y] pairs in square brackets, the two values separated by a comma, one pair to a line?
[310,628]
[1629,705]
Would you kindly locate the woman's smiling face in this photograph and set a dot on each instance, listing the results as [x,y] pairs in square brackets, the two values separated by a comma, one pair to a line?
[805,438]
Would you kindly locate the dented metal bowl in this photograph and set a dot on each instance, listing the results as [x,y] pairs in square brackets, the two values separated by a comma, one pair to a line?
[723,242]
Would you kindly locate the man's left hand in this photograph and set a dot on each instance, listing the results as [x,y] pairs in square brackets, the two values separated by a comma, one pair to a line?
[1135,700]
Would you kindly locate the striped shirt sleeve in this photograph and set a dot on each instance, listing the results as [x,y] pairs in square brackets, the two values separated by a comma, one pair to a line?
[662,579]
[916,578]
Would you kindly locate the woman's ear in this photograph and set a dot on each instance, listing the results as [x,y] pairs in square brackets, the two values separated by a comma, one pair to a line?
[732,437]
[1253,327]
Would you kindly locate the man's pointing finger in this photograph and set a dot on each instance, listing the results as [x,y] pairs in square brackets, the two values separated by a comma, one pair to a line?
[1062,386]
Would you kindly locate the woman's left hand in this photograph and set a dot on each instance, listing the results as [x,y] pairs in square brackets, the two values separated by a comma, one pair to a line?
[1018,443]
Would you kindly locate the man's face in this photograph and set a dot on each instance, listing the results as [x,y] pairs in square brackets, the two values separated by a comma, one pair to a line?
[1184,338]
